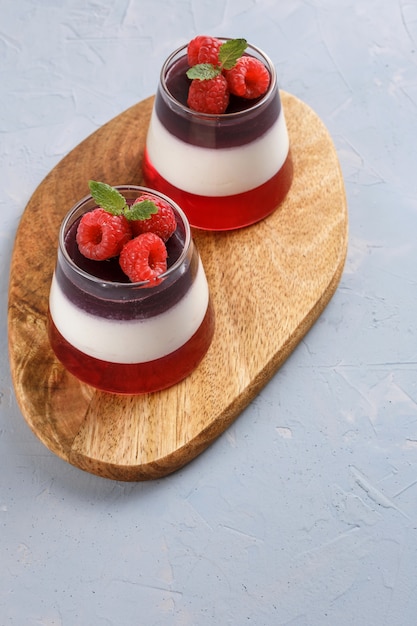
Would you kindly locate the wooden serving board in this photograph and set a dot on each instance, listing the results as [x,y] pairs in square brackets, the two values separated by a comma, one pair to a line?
[269,284]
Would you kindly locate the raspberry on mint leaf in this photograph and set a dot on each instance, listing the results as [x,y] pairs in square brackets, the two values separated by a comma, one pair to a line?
[209,96]
[101,235]
[248,78]
[144,258]
[162,223]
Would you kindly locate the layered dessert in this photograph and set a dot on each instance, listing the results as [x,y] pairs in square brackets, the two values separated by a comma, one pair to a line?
[217,141]
[136,317]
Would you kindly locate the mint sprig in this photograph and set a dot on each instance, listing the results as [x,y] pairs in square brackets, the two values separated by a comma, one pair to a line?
[141,210]
[229,53]
[108,198]
[112,201]
[203,71]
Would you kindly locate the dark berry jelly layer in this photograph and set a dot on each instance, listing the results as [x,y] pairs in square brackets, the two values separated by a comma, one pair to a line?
[244,121]
[226,212]
[115,297]
[139,377]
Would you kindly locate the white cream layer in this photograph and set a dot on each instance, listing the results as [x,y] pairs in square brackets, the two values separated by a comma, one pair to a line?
[220,171]
[131,341]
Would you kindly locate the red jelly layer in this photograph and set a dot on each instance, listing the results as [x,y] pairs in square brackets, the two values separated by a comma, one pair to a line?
[225,212]
[136,378]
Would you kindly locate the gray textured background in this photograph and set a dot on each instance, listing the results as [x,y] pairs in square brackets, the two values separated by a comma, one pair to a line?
[304,512]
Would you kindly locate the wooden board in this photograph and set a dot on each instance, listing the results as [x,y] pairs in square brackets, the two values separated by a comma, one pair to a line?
[269,284]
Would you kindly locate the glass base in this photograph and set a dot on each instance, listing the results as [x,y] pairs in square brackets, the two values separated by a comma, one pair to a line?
[225,212]
[135,378]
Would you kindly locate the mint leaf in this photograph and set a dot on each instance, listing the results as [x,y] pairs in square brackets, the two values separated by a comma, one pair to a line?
[141,210]
[108,198]
[203,71]
[231,51]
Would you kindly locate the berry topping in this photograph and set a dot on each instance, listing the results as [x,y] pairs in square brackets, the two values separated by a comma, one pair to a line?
[203,49]
[136,233]
[144,258]
[162,223]
[249,78]
[212,61]
[209,96]
[101,235]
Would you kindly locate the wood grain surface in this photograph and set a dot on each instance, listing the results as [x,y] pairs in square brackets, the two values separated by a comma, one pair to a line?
[269,284]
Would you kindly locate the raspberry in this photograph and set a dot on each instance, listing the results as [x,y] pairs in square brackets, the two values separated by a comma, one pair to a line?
[203,49]
[248,78]
[162,223]
[209,96]
[101,235]
[144,258]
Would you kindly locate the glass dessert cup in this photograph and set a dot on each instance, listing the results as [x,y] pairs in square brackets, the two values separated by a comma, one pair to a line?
[124,337]
[226,171]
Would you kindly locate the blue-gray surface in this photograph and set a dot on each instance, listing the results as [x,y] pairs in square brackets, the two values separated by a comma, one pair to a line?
[304,512]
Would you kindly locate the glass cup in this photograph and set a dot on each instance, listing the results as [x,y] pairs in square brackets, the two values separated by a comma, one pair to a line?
[226,171]
[124,337]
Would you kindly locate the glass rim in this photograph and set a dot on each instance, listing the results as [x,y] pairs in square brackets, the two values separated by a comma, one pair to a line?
[117,284]
[214,116]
